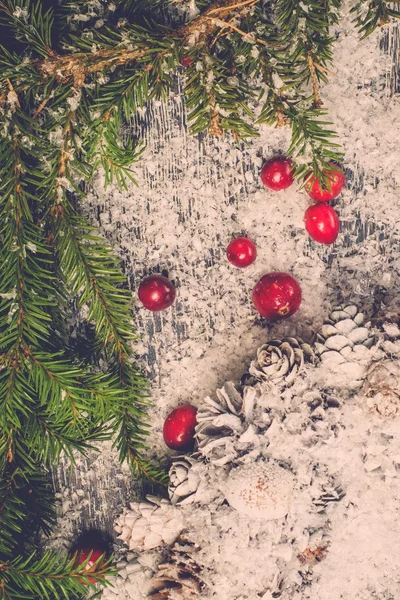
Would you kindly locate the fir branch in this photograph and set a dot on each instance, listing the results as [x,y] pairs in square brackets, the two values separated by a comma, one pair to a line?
[52,576]
[30,23]
[26,499]
[371,14]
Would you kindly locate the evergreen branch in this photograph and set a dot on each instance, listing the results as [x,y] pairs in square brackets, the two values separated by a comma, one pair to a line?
[97,275]
[30,23]
[79,65]
[371,14]
[25,496]
[52,576]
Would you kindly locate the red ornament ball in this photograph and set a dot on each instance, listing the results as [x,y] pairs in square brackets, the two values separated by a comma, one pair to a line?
[277,173]
[322,223]
[156,293]
[277,295]
[317,191]
[179,427]
[241,252]
[83,554]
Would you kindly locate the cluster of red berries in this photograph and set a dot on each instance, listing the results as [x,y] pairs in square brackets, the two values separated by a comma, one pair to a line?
[321,220]
[276,295]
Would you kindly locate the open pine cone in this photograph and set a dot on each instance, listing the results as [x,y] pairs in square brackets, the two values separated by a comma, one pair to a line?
[382,387]
[178,576]
[225,425]
[280,361]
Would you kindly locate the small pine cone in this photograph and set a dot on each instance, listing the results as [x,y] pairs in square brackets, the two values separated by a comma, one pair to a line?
[280,361]
[149,524]
[178,576]
[225,425]
[261,490]
[184,479]
[382,387]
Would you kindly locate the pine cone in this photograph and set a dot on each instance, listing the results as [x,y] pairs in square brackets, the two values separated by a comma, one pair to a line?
[178,576]
[260,489]
[382,387]
[342,343]
[184,479]
[149,524]
[280,361]
[389,323]
[225,426]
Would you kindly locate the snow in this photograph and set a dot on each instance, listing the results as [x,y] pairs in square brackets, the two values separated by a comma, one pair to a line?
[194,195]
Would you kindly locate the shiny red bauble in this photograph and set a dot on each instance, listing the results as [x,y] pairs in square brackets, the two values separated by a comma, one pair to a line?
[322,223]
[317,191]
[241,252]
[83,554]
[277,173]
[277,295]
[156,293]
[179,427]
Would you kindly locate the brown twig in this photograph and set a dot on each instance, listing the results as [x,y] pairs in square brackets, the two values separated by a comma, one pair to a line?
[11,88]
[242,33]
[215,127]
[232,6]
[311,557]
[314,80]
[80,64]
[40,108]
[5,8]
[10,454]
[281,118]
[325,70]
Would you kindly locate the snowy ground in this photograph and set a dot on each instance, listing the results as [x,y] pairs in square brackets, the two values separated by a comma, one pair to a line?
[194,195]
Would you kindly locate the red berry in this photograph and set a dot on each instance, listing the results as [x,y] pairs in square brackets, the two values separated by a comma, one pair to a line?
[277,173]
[186,62]
[277,295]
[319,192]
[83,554]
[179,427]
[322,223]
[156,293]
[241,252]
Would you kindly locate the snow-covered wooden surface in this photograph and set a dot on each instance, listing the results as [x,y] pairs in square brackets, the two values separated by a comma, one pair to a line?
[194,195]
